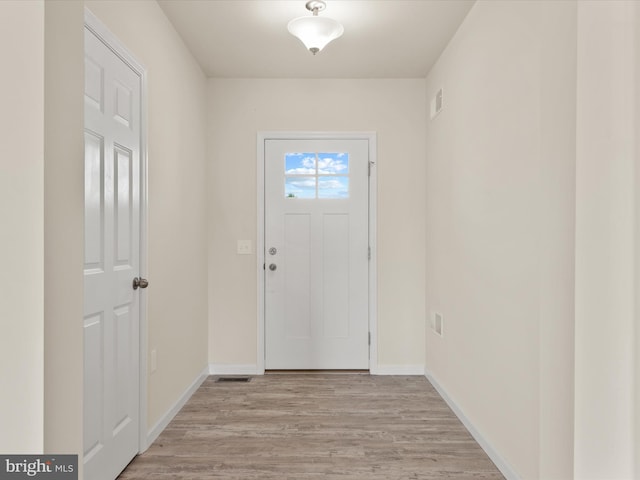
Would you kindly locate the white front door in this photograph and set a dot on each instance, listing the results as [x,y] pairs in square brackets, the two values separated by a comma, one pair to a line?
[316,254]
[111,261]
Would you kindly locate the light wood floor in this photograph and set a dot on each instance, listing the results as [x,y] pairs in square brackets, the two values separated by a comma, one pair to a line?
[324,426]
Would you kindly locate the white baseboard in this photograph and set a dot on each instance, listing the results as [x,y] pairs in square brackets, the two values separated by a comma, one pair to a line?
[157,429]
[230,369]
[233,369]
[398,370]
[504,467]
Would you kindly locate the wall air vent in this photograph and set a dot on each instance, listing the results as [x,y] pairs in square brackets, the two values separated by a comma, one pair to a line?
[437,323]
[436,104]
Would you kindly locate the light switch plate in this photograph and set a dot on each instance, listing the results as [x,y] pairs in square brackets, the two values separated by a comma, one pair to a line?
[244,247]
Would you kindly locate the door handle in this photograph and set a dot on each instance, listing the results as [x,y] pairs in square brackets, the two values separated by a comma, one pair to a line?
[140,283]
[273,267]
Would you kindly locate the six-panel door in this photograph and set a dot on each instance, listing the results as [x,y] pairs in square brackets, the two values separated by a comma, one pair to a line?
[111,261]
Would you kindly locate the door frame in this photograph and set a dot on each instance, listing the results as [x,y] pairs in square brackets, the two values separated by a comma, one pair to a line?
[95,25]
[371,137]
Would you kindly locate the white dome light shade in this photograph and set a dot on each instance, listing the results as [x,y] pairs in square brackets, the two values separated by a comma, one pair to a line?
[315,32]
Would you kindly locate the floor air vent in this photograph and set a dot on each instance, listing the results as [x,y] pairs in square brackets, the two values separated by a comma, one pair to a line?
[233,380]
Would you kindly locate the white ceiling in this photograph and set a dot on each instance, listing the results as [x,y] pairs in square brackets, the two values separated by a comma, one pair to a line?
[382,38]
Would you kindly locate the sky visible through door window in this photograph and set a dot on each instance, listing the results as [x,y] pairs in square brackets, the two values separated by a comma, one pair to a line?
[316,175]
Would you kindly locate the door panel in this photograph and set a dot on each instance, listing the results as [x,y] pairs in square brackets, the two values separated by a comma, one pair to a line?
[316,219]
[335,278]
[297,244]
[112,252]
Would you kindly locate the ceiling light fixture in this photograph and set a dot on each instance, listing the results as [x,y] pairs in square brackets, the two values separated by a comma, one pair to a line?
[315,32]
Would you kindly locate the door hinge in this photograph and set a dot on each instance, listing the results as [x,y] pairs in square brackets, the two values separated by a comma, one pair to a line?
[371,164]
[368,253]
[369,338]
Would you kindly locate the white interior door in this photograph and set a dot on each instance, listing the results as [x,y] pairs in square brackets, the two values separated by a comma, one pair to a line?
[111,261]
[316,242]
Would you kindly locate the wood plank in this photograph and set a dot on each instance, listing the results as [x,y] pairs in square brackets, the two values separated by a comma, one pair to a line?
[321,426]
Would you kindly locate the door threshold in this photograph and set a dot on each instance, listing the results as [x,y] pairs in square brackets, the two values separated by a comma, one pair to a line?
[316,372]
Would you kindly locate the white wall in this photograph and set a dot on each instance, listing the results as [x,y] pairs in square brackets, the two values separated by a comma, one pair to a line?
[237,110]
[177,293]
[21,233]
[500,214]
[607,241]
[63,225]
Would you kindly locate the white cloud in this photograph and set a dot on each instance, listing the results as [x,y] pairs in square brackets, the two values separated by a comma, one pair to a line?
[301,171]
[301,163]
[330,165]
[330,184]
[303,183]
[309,162]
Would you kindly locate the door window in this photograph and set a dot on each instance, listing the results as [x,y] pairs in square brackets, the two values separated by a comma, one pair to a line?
[323,175]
